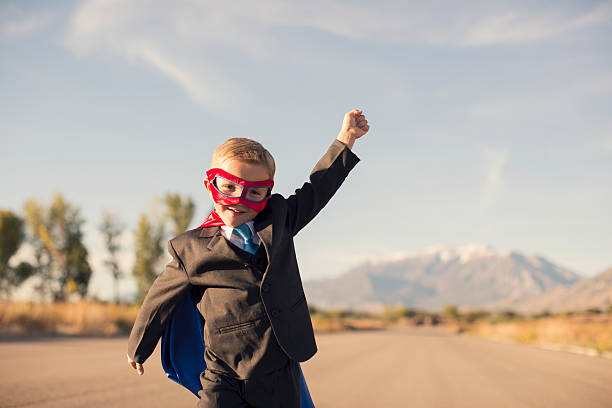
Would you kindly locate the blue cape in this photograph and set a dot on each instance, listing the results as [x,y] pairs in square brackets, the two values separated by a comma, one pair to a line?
[182,349]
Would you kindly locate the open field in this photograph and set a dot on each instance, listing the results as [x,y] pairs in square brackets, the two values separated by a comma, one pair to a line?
[585,332]
[379,368]
[66,318]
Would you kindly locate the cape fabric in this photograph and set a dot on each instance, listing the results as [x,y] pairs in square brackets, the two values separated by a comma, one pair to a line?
[182,348]
[213,220]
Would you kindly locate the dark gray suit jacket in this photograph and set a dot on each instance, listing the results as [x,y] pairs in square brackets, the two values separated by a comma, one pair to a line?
[203,257]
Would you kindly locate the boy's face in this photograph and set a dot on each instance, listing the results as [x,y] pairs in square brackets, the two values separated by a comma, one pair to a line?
[237,214]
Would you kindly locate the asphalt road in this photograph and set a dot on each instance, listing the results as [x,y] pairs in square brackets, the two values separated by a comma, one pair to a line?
[401,368]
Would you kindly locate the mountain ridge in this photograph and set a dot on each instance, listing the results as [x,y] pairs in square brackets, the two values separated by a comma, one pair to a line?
[594,292]
[469,276]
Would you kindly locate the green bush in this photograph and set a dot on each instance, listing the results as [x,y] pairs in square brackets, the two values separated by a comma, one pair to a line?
[504,316]
[474,315]
[542,314]
[451,312]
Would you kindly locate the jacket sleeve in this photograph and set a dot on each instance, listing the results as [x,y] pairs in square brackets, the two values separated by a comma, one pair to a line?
[326,177]
[166,293]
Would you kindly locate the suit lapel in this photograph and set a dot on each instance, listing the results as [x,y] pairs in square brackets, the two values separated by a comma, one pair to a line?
[221,248]
[218,245]
[263,229]
[209,231]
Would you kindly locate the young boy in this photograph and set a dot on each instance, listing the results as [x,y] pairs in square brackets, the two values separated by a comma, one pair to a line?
[242,259]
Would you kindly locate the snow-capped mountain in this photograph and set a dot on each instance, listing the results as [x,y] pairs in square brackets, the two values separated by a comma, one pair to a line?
[594,292]
[470,276]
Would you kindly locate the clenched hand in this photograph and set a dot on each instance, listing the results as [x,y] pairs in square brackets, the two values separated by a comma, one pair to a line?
[354,126]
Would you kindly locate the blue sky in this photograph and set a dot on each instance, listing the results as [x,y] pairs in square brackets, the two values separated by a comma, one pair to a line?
[490,122]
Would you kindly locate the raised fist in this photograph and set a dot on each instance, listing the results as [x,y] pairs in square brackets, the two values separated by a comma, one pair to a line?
[354,126]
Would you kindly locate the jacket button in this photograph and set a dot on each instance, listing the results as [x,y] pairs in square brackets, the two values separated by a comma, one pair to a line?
[274,312]
[265,287]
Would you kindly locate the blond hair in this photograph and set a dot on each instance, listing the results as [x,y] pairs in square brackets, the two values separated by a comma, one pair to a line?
[244,150]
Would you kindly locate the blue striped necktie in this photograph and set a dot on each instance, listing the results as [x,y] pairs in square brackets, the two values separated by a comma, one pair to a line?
[244,232]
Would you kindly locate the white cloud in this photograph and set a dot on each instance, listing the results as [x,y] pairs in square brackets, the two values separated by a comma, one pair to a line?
[444,23]
[190,41]
[525,26]
[208,93]
[542,98]
[142,33]
[495,159]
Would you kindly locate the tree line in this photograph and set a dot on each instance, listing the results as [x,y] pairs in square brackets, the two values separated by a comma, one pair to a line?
[59,262]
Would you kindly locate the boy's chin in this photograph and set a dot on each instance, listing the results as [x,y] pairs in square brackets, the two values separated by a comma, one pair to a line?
[233,219]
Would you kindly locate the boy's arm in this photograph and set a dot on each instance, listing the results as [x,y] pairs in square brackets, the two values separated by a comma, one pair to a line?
[167,291]
[328,174]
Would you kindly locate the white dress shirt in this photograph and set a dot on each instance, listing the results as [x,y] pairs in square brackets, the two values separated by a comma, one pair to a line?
[235,239]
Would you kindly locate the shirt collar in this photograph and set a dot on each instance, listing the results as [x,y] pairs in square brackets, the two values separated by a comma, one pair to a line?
[227,231]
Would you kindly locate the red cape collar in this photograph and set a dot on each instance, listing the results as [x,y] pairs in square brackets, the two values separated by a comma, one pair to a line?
[213,220]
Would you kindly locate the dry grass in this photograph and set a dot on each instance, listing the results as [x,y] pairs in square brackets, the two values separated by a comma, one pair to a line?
[331,324]
[66,318]
[84,318]
[586,332]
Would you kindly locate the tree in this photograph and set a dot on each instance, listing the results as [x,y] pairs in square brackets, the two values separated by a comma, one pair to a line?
[151,232]
[12,235]
[450,311]
[112,229]
[61,255]
[147,243]
[42,255]
[179,211]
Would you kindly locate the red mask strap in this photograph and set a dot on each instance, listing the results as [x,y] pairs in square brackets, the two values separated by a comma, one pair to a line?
[213,220]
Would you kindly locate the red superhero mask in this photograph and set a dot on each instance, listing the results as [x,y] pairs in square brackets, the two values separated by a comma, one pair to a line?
[227,189]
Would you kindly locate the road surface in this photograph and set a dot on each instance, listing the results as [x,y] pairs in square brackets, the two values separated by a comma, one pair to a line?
[396,368]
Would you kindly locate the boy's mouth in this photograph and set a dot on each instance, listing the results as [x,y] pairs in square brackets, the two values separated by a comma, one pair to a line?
[236,211]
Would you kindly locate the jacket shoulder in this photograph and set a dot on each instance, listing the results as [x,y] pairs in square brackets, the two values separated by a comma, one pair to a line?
[183,239]
[276,207]
[276,201]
